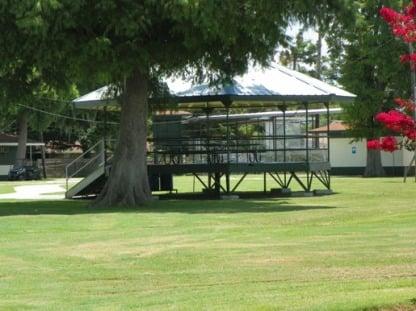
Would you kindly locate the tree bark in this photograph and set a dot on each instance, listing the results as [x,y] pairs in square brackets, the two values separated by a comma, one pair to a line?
[22,124]
[374,166]
[42,150]
[295,60]
[128,183]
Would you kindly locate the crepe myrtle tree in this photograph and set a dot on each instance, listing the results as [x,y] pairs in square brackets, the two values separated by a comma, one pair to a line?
[401,120]
[365,54]
[128,42]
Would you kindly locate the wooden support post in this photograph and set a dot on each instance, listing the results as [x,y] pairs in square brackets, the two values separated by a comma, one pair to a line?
[274,126]
[307,131]
[217,182]
[283,108]
[43,161]
[30,155]
[42,150]
[237,148]
[327,132]
[227,105]
[207,147]
[227,121]
[316,125]
[227,183]
[105,139]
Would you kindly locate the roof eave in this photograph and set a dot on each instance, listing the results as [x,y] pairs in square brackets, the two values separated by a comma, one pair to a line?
[101,103]
[254,98]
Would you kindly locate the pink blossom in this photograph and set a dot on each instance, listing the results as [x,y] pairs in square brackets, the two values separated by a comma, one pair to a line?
[373,144]
[389,144]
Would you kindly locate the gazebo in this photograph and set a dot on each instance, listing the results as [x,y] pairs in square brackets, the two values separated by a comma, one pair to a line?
[258,123]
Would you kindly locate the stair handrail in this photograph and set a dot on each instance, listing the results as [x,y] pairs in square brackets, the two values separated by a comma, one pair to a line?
[87,163]
[84,153]
[101,153]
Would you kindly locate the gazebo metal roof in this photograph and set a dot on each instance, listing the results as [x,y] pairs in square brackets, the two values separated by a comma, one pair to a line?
[275,84]
[266,115]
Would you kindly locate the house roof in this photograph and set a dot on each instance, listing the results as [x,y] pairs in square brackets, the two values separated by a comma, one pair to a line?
[275,84]
[12,140]
[334,126]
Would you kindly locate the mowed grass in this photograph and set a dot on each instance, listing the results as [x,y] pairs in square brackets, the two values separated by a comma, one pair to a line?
[355,250]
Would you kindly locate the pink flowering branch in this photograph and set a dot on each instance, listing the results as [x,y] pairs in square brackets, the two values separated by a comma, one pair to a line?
[399,120]
[402,24]
[400,123]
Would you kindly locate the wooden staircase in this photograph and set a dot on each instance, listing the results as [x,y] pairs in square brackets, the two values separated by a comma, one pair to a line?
[93,173]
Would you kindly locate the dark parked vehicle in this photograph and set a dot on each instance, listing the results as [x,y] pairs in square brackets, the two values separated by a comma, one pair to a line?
[24,173]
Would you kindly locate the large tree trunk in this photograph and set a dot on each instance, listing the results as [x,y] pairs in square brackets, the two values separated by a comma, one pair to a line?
[128,184]
[22,123]
[374,167]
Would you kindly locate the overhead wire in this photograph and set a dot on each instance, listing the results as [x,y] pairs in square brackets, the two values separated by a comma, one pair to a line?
[7,126]
[66,116]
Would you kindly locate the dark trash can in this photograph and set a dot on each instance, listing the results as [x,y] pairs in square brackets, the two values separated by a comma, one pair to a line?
[166,182]
[154,182]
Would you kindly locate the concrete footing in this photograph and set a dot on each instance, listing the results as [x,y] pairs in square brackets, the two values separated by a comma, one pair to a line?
[229,197]
[302,194]
[323,192]
[281,191]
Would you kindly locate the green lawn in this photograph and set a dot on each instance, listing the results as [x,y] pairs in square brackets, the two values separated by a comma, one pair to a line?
[355,250]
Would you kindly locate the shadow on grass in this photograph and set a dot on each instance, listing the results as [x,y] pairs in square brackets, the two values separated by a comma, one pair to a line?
[407,306]
[187,207]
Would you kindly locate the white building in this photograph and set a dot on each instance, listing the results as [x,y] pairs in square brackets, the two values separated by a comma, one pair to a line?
[349,157]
